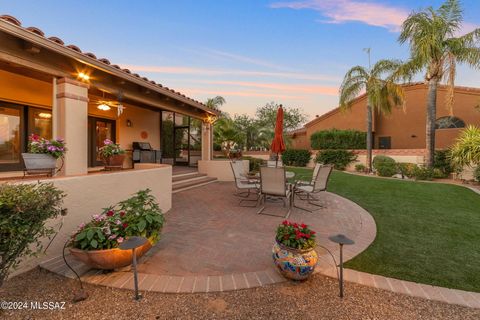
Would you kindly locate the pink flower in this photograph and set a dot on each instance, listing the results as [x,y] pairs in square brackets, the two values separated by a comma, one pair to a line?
[113,236]
[120,239]
[107,142]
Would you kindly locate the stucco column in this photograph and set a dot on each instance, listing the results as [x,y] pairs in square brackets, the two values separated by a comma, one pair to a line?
[207,141]
[71,124]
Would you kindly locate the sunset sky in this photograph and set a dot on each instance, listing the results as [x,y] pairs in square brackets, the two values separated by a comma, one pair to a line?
[249,51]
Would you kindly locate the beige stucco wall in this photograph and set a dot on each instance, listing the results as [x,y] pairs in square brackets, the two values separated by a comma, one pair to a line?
[88,194]
[20,89]
[219,169]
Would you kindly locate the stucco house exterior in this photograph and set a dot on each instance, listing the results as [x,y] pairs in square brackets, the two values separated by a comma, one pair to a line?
[403,129]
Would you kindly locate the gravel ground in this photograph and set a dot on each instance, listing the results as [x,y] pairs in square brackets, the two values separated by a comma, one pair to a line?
[314,299]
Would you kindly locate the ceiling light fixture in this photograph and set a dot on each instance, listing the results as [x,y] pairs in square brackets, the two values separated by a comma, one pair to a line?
[83,76]
[103,107]
[44,115]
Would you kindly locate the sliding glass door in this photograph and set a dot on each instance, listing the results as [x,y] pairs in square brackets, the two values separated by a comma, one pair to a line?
[12,138]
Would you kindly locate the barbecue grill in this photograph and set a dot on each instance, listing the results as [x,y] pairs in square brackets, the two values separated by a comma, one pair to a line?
[144,153]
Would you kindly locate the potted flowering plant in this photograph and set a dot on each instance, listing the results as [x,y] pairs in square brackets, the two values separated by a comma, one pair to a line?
[112,154]
[43,154]
[96,242]
[294,250]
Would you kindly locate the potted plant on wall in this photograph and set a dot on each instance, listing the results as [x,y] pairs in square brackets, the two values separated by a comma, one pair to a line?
[112,155]
[43,154]
[96,243]
[294,250]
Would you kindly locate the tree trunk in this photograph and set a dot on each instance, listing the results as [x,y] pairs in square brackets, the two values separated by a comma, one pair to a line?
[430,121]
[369,136]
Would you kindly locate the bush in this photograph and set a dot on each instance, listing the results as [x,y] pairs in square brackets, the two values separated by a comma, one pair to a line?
[380,160]
[254,163]
[406,169]
[423,173]
[296,157]
[339,158]
[24,209]
[386,169]
[338,139]
[442,163]
[476,174]
[139,215]
[360,167]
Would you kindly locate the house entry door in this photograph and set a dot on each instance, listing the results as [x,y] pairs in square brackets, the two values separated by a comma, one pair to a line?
[98,130]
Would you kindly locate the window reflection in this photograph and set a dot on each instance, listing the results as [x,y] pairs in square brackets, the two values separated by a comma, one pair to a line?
[9,135]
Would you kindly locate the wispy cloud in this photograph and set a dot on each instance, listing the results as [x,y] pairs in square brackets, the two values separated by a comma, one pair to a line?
[241,93]
[223,72]
[290,88]
[368,12]
[244,59]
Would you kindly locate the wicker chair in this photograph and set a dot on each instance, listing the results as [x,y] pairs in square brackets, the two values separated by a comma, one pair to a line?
[273,184]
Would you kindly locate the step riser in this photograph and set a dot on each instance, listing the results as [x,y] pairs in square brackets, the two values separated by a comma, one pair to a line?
[188,180]
[194,186]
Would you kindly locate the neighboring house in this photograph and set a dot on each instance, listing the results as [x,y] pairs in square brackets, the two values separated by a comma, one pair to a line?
[402,129]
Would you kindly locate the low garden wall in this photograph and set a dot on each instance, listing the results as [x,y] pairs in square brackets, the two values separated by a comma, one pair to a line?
[219,169]
[88,194]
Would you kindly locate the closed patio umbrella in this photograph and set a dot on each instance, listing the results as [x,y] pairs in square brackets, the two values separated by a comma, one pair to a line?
[278,145]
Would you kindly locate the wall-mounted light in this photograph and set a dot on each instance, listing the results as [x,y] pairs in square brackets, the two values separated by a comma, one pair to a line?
[44,115]
[103,107]
[211,118]
[83,76]
[129,123]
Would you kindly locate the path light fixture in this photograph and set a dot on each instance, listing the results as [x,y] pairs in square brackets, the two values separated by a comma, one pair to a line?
[341,240]
[131,244]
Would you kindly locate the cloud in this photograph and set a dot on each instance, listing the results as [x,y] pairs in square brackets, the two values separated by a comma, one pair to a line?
[245,59]
[223,72]
[370,13]
[242,93]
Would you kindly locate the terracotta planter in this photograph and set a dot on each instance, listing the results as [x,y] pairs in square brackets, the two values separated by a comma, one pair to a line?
[293,263]
[114,162]
[109,259]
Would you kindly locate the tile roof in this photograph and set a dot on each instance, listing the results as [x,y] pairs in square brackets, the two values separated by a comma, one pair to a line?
[59,41]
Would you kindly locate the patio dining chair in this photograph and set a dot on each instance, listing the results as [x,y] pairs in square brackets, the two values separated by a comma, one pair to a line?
[245,187]
[274,163]
[273,184]
[318,184]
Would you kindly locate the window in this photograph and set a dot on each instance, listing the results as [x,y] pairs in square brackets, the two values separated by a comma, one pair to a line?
[384,142]
[449,123]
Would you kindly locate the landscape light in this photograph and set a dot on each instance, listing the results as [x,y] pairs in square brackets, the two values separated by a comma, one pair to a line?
[341,240]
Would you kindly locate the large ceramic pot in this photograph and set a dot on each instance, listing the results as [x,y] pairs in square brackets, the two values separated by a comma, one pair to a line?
[114,162]
[39,163]
[293,263]
[109,259]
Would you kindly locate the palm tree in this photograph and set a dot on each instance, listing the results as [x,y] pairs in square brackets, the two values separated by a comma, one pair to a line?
[466,150]
[435,49]
[215,102]
[226,134]
[382,93]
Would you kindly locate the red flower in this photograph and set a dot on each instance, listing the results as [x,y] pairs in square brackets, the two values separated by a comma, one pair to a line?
[312,233]
[303,225]
[125,225]
[122,213]
[295,225]
[110,213]
[285,223]
[307,236]
[298,236]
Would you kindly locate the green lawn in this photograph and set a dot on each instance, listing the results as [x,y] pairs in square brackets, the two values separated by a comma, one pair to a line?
[426,232]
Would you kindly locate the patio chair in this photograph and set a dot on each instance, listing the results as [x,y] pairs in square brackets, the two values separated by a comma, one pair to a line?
[273,163]
[318,184]
[273,184]
[243,184]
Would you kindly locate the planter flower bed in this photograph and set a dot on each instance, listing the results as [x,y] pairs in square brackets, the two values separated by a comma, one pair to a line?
[96,242]
[43,154]
[294,250]
[112,155]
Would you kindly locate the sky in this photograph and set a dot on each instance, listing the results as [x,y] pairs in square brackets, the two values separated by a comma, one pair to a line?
[251,52]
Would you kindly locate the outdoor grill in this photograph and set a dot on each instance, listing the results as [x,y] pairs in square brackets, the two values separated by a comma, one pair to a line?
[143,153]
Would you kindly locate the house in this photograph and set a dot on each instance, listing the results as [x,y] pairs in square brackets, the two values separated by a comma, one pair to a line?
[403,128]
[56,90]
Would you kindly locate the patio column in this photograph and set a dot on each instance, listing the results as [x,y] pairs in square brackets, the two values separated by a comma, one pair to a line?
[71,124]
[207,141]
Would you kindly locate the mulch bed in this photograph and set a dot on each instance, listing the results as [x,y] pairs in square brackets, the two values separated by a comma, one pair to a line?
[316,298]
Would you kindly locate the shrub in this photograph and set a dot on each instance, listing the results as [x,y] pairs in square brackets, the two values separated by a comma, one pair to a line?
[139,215]
[476,174]
[406,169]
[24,209]
[360,167]
[254,163]
[442,164]
[386,169]
[423,173]
[379,160]
[294,235]
[339,158]
[296,157]
[338,139]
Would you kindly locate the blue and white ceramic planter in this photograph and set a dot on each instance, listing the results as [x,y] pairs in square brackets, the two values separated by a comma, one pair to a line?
[293,263]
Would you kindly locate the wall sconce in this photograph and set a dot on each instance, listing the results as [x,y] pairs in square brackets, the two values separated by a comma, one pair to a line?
[129,123]
[211,118]
[83,76]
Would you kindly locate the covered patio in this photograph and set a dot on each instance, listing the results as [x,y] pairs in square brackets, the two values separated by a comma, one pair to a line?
[211,244]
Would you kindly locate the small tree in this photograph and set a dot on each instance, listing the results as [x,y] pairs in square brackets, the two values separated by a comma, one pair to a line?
[466,150]
[24,209]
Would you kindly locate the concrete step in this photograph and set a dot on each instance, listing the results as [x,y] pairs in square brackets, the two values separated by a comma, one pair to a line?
[192,183]
[183,177]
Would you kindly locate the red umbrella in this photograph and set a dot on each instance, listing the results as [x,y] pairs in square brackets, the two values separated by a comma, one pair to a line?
[278,145]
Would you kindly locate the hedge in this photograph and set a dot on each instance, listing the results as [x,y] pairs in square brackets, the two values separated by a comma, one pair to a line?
[339,158]
[296,157]
[338,139]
